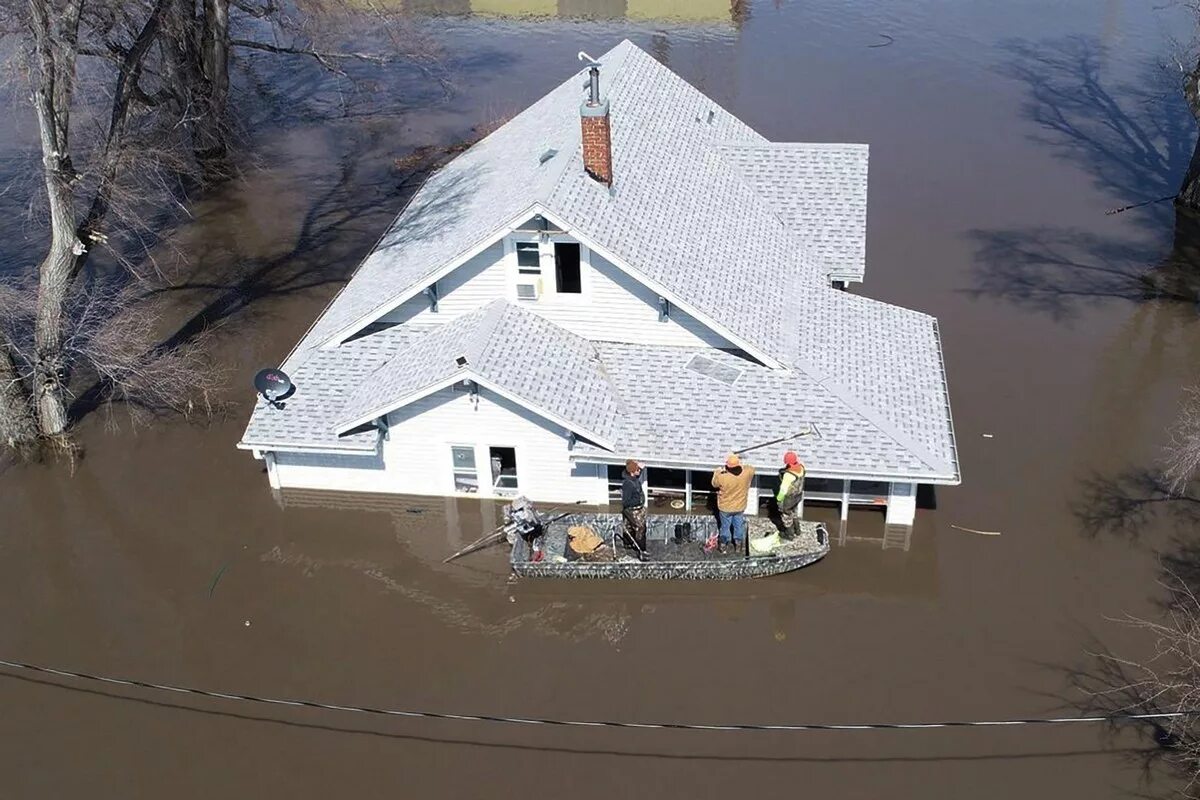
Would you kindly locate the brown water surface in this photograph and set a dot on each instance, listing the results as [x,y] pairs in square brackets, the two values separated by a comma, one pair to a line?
[999,132]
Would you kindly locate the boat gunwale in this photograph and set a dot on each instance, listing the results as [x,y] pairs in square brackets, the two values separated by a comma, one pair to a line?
[747,566]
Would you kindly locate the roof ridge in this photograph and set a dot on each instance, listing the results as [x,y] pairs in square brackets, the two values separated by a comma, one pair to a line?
[864,409]
[484,334]
[885,425]
[592,350]
[769,145]
[771,208]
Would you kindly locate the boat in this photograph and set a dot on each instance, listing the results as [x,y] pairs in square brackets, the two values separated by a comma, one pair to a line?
[674,550]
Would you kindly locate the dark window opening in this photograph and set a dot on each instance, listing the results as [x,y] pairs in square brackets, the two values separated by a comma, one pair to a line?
[615,476]
[667,481]
[566,268]
[504,470]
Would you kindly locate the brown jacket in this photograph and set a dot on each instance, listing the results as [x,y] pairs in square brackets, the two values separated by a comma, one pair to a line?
[732,489]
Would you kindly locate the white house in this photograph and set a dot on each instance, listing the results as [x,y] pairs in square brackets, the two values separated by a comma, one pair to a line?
[624,270]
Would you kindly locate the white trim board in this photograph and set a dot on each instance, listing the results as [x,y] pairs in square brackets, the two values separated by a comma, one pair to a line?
[468,374]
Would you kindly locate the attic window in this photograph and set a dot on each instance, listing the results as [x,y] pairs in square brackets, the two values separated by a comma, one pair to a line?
[529,258]
[719,372]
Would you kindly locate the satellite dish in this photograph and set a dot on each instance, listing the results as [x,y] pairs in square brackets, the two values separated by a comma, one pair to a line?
[274,385]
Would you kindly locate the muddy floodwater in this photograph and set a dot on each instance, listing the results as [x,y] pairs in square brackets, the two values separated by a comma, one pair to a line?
[1000,133]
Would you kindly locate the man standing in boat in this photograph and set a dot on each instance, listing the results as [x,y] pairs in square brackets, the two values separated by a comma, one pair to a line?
[732,483]
[791,493]
[633,505]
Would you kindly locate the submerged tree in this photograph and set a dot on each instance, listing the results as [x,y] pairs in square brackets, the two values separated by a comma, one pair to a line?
[1189,191]
[133,107]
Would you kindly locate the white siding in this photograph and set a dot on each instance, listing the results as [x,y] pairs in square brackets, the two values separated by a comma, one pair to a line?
[476,283]
[347,473]
[613,307]
[416,456]
[417,448]
[617,308]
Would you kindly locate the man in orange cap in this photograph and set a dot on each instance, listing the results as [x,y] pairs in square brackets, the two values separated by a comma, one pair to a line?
[732,483]
[791,493]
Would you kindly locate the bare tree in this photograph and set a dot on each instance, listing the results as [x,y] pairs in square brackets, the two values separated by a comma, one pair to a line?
[1189,190]
[1183,454]
[1167,683]
[150,80]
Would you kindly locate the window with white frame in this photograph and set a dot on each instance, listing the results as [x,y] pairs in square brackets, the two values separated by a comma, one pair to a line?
[550,266]
[466,475]
[529,258]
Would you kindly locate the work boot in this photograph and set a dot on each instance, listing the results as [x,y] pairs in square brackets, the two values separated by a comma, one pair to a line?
[788,533]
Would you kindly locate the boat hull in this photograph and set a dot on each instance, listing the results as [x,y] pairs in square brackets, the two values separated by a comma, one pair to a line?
[670,558]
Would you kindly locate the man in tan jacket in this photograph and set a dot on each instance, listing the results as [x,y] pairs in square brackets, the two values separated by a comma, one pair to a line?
[732,483]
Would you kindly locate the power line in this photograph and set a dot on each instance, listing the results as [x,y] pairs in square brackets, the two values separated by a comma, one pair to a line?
[571,723]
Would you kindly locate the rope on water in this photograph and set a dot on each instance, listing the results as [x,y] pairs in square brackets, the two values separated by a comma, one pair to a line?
[1123,209]
[592,723]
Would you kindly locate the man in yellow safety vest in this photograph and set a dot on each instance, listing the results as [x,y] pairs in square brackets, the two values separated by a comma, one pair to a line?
[791,493]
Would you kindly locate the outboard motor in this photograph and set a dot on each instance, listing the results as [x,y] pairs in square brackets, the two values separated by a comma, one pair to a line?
[523,519]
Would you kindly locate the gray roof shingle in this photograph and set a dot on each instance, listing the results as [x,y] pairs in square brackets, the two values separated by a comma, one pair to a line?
[819,191]
[510,347]
[678,415]
[324,381]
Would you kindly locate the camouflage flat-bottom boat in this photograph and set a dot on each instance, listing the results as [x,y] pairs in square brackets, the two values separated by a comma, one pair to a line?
[674,550]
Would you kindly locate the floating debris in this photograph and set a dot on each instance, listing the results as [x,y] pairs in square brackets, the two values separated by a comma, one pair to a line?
[975,530]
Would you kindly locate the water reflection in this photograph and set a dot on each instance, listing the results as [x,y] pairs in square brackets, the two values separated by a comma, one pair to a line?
[869,559]
[730,12]
[1134,139]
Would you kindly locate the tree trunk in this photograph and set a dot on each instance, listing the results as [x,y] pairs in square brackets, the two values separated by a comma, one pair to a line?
[55,274]
[17,426]
[210,133]
[55,32]
[1189,191]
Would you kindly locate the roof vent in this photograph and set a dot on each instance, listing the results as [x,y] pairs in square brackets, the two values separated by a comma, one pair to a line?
[546,156]
[461,361]
[718,372]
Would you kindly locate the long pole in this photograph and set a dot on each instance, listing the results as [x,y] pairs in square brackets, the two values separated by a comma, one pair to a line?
[496,534]
[809,432]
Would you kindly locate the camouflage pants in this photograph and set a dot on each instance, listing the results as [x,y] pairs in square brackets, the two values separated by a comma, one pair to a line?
[635,527]
[790,517]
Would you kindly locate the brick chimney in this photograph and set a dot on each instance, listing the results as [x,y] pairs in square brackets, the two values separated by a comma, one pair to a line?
[593,120]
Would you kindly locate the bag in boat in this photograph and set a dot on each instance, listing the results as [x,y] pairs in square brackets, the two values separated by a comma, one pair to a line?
[764,544]
[583,540]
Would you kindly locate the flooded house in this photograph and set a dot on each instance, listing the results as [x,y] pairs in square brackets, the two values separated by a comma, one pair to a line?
[623,270]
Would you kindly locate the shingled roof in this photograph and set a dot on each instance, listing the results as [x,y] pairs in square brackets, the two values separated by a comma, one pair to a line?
[708,202]
[819,191]
[742,233]
[509,348]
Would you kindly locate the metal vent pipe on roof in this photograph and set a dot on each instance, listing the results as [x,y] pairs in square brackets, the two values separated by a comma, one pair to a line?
[594,122]
[594,85]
